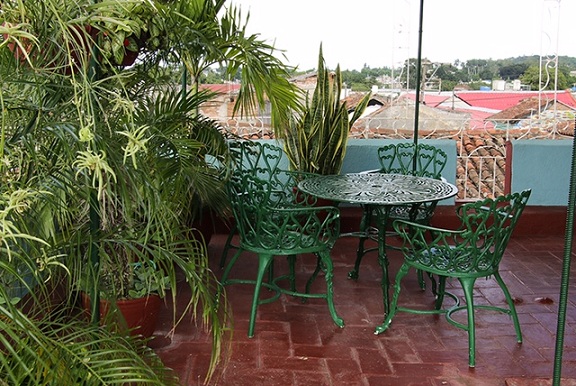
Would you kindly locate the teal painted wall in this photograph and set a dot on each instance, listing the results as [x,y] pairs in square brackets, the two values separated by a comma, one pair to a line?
[544,167]
[362,154]
[540,165]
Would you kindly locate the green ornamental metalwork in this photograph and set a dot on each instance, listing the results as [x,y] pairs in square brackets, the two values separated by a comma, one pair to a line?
[378,189]
[275,219]
[406,158]
[473,251]
[259,158]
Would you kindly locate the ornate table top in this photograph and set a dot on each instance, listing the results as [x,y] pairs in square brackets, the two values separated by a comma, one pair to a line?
[378,188]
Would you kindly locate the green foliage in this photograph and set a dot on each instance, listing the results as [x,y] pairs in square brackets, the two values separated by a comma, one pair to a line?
[448,85]
[470,72]
[315,140]
[216,35]
[544,78]
[364,79]
[513,71]
[53,349]
[103,166]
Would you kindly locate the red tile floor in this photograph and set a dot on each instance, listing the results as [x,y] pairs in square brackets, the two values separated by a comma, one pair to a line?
[297,343]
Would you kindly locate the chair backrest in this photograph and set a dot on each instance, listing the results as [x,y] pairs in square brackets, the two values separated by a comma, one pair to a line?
[476,249]
[399,159]
[271,215]
[488,225]
[261,159]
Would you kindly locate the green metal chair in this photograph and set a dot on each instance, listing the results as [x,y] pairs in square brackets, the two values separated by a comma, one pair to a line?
[259,158]
[274,219]
[474,251]
[399,159]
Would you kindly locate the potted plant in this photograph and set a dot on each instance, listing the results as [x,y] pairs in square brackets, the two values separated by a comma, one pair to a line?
[136,311]
[122,32]
[85,201]
[106,163]
[315,139]
[101,168]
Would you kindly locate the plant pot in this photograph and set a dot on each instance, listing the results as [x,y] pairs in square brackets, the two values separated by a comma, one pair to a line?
[139,316]
[204,226]
[82,45]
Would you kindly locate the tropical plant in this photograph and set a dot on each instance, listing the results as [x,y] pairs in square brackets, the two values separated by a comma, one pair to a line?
[99,166]
[315,140]
[217,35]
[56,349]
[88,200]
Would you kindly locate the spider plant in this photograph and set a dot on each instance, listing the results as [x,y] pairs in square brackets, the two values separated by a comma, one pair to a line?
[50,175]
[99,167]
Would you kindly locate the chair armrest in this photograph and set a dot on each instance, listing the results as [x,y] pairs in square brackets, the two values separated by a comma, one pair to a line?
[403,224]
[419,237]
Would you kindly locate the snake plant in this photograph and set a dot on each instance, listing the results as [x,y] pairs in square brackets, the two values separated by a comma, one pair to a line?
[316,138]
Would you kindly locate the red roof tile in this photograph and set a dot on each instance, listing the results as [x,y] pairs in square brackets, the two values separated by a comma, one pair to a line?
[224,88]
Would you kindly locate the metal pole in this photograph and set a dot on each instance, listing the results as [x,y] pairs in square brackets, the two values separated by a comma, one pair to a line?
[418,80]
[569,234]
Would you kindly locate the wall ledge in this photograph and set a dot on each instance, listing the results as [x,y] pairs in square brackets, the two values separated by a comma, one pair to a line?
[535,220]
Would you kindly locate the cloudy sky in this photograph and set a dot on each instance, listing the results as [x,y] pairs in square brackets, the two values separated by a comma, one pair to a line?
[382,33]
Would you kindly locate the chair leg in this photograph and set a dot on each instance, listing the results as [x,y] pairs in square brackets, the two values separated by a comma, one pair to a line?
[420,273]
[230,265]
[468,288]
[292,272]
[263,265]
[440,292]
[364,225]
[421,281]
[403,271]
[227,246]
[224,278]
[314,274]
[511,306]
[326,262]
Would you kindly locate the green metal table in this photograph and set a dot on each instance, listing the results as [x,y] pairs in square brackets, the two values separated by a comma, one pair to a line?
[383,191]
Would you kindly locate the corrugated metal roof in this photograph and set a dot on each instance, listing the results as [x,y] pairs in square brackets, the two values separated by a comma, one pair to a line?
[526,108]
[502,100]
[429,99]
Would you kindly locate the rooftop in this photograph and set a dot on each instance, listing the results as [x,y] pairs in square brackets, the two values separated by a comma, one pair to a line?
[297,343]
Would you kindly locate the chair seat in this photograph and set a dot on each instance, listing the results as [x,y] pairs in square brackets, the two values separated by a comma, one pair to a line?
[452,264]
[288,244]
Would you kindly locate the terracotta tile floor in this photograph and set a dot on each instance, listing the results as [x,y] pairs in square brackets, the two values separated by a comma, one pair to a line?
[298,344]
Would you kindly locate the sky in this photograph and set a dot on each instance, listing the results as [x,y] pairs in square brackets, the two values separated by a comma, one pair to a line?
[384,33]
